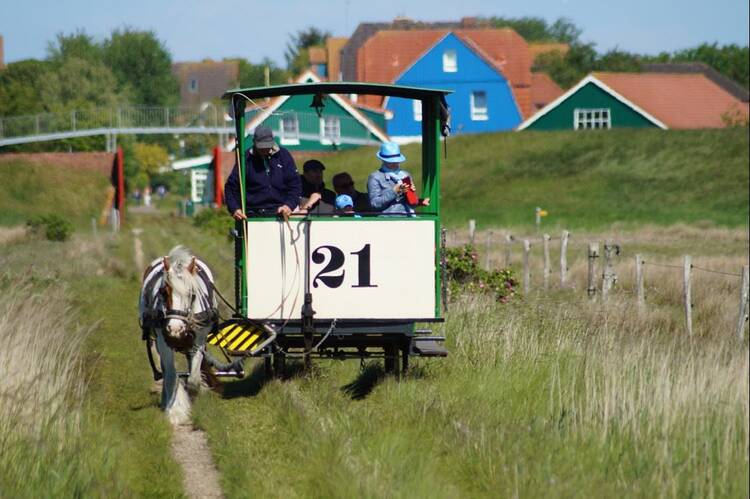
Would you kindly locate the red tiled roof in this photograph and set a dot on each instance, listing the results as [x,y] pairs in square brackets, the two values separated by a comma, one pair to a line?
[677,100]
[388,53]
[543,90]
[317,55]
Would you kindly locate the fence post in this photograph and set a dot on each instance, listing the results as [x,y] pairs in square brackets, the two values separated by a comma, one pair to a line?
[639,288]
[743,303]
[487,249]
[687,294]
[593,254]
[73,120]
[546,272]
[609,277]
[472,230]
[93,226]
[564,258]
[166,117]
[508,248]
[526,272]
[537,218]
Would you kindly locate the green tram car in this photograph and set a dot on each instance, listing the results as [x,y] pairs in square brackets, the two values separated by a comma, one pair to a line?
[342,287]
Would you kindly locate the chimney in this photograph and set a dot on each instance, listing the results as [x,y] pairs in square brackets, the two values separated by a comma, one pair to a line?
[2,53]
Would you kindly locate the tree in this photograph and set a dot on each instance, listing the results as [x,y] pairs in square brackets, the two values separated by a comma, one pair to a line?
[150,158]
[141,62]
[296,55]
[733,61]
[77,45]
[80,84]
[567,69]
[253,75]
[21,85]
[536,29]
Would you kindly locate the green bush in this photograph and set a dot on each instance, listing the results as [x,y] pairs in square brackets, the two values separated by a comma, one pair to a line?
[215,221]
[464,273]
[54,227]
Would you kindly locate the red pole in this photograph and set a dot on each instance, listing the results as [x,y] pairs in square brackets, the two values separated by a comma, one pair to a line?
[120,185]
[217,177]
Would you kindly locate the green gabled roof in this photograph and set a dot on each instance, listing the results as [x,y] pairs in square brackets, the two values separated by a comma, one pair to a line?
[338,87]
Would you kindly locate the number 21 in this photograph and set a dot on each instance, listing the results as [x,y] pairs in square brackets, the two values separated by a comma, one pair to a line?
[336,261]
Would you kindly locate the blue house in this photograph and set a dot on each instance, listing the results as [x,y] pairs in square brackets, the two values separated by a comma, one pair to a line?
[482,100]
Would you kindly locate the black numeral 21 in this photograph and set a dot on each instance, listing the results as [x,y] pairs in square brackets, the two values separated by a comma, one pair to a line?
[336,261]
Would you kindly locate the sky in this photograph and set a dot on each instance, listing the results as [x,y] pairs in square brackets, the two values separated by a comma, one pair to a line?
[201,29]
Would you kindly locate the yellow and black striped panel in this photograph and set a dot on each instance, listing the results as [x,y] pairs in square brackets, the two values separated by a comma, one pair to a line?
[237,337]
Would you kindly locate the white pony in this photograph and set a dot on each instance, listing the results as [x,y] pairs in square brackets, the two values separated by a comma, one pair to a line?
[178,306]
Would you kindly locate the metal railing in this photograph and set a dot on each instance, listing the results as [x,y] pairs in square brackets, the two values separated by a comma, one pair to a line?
[155,120]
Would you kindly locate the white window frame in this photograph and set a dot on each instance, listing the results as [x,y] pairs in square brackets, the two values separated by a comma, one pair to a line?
[478,113]
[289,138]
[450,61]
[334,138]
[198,183]
[592,118]
[417,109]
[193,85]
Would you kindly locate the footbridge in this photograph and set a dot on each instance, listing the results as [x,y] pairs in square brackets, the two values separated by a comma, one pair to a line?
[133,120]
[140,120]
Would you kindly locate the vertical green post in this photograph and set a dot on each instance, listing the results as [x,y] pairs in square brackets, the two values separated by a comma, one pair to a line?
[431,177]
[239,123]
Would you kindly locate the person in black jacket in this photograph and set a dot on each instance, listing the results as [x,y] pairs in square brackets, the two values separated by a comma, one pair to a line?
[272,184]
[312,182]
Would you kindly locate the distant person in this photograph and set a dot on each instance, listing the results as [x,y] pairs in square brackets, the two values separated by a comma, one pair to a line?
[161,191]
[344,184]
[387,186]
[272,184]
[147,196]
[312,182]
[137,197]
[345,206]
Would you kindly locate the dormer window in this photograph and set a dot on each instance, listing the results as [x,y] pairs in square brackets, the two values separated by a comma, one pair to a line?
[450,62]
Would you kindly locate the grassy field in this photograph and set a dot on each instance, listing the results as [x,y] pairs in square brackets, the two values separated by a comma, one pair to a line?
[30,189]
[585,180]
[552,395]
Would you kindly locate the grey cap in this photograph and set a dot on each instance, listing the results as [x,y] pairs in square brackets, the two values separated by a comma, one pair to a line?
[263,138]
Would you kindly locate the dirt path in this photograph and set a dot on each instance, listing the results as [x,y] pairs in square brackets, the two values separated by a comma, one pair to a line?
[190,450]
[189,445]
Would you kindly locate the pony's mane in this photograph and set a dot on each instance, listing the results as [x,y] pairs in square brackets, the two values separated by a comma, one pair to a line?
[182,281]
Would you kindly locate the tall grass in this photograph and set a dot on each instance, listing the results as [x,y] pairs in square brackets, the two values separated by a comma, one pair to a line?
[44,452]
[668,414]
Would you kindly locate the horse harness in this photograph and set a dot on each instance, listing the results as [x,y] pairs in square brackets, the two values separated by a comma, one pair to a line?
[156,317]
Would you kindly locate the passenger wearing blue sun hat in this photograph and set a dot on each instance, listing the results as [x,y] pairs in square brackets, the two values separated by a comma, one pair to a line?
[388,186]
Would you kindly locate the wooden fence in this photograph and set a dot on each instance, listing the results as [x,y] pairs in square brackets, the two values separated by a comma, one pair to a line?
[596,286]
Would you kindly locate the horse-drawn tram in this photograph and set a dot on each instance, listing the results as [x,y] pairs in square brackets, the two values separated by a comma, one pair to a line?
[331,286]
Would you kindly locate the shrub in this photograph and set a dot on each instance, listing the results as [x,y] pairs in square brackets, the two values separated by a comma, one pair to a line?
[54,227]
[464,273]
[214,220]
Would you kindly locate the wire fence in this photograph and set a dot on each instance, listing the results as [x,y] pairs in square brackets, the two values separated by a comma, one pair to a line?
[601,277]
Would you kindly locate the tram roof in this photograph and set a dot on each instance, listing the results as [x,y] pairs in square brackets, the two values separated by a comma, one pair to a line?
[338,87]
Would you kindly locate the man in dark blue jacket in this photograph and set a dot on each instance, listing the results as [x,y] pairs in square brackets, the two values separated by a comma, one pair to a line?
[272,184]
